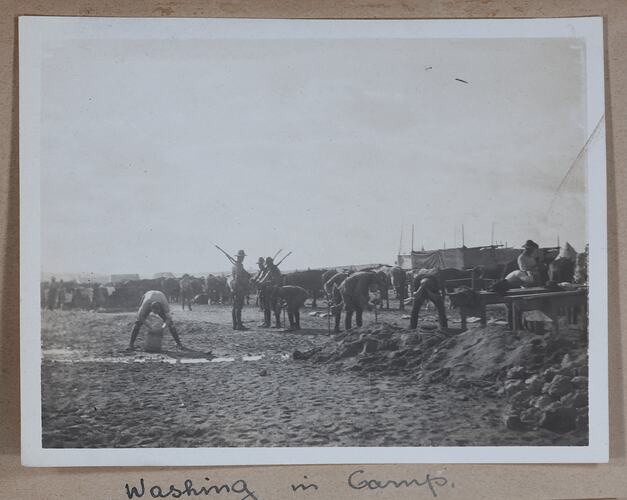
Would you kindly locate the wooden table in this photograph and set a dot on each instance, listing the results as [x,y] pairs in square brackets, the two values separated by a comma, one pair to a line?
[525,298]
[550,304]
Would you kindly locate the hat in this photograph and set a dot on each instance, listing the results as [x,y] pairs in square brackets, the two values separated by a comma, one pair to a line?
[260,260]
[530,244]
[241,253]
[269,260]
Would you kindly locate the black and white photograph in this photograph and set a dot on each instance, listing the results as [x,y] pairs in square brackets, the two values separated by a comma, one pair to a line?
[291,241]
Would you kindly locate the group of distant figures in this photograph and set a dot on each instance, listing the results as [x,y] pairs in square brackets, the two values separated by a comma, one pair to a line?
[57,294]
[71,295]
[346,291]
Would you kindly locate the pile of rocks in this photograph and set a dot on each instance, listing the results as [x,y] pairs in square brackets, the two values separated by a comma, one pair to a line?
[555,398]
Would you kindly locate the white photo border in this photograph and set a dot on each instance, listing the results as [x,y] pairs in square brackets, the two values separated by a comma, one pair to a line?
[35,31]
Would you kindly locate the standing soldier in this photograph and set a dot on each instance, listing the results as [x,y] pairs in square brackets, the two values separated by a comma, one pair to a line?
[187,293]
[52,297]
[334,297]
[271,281]
[239,286]
[264,284]
[261,264]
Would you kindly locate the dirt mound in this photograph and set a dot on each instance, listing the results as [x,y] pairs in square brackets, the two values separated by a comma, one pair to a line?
[543,378]
[479,354]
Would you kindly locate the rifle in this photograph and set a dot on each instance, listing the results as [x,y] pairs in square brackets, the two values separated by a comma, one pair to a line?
[284,257]
[227,255]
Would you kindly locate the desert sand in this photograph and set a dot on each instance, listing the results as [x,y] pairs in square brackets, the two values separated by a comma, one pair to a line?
[251,392]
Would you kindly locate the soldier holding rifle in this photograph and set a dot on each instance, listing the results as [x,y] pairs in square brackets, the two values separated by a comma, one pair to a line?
[270,283]
[256,280]
[239,286]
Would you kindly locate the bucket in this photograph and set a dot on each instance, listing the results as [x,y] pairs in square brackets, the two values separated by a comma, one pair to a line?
[154,339]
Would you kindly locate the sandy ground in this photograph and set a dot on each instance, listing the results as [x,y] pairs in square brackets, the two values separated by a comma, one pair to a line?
[252,394]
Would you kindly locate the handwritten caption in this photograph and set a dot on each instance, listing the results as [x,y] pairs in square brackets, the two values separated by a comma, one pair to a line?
[356,480]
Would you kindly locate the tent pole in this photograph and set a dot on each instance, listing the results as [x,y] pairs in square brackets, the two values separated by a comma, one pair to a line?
[412,238]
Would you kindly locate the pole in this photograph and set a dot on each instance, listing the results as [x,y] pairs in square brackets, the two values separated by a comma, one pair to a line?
[463,239]
[492,237]
[328,316]
[400,244]
[412,238]
[284,257]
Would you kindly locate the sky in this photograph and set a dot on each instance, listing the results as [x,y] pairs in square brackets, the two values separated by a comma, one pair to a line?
[152,151]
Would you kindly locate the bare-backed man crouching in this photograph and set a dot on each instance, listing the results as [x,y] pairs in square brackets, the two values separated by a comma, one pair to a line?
[427,286]
[154,302]
[355,295]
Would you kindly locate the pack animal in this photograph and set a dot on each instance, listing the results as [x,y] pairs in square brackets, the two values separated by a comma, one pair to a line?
[311,280]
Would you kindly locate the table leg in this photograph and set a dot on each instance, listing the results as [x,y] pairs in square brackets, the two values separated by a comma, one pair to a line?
[517,317]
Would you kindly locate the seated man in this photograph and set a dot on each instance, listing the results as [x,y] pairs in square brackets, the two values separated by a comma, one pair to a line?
[528,264]
[154,302]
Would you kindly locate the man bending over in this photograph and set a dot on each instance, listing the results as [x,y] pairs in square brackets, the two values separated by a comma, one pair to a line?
[154,302]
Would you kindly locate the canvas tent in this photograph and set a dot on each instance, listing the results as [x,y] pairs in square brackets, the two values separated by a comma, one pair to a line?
[459,258]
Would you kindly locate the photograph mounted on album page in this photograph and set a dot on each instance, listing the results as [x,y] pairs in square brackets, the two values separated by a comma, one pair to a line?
[312,241]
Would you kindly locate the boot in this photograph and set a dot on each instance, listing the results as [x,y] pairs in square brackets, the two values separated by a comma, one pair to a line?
[234,316]
[266,319]
[240,325]
[277,318]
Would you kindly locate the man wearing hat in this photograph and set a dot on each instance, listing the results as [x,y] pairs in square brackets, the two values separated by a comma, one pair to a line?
[528,261]
[270,283]
[154,302]
[256,280]
[261,264]
[239,285]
